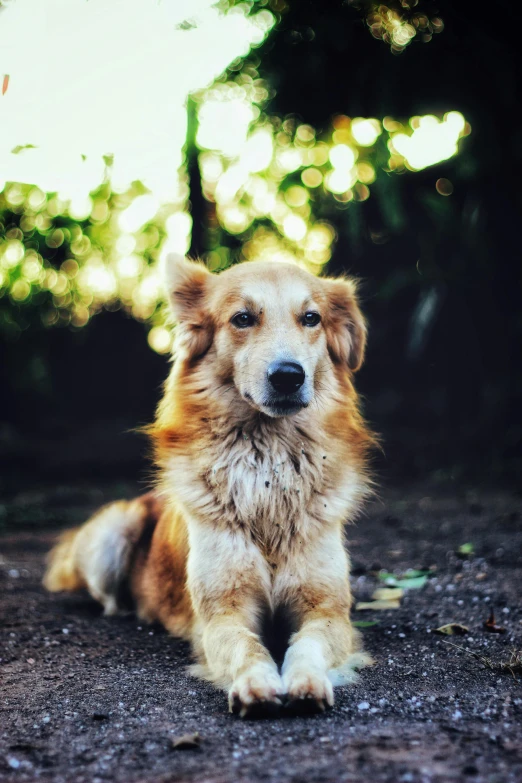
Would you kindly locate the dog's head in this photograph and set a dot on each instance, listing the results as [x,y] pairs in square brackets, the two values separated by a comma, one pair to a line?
[274,331]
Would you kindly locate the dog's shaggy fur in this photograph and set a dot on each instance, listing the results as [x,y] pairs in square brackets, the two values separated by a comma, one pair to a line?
[246,523]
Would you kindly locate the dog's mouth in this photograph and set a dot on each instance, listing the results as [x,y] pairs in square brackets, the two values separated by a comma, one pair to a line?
[284,406]
[278,406]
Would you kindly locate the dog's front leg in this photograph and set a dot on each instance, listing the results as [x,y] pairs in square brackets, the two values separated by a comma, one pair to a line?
[315,583]
[229,584]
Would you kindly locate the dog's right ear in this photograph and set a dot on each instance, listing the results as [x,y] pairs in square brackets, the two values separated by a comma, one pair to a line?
[187,284]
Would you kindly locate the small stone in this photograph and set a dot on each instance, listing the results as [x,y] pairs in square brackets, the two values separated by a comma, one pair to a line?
[186,742]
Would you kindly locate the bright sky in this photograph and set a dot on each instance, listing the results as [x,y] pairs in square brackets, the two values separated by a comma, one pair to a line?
[99,77]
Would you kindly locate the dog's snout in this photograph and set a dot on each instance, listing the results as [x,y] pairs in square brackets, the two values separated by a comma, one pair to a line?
[286,377]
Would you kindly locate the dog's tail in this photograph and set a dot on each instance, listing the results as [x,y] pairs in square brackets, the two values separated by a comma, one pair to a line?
[62,572]
[99,554]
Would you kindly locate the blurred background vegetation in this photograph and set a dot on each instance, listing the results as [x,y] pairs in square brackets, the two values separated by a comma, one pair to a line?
[378,139]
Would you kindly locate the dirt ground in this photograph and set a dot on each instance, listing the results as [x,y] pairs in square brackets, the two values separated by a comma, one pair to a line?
[84,698]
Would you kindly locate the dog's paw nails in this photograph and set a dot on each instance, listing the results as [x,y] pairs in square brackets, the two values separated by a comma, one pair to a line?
[256,695]
[309,693]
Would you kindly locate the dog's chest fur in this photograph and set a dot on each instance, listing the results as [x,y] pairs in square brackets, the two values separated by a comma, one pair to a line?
[267,478]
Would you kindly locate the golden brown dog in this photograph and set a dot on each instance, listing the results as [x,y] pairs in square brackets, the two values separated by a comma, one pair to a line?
[261,452]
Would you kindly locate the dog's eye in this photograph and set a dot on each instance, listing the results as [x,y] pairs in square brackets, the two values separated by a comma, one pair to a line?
[311,319]
[242,320]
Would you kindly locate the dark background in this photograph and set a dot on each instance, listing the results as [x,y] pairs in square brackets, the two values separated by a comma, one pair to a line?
[441,275]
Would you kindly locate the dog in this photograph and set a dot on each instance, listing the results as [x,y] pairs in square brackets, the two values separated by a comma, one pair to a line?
[262,456]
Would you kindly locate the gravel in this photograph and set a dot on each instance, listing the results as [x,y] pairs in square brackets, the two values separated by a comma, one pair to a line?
[87,698]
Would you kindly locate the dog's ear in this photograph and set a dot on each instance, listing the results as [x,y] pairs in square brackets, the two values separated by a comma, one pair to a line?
[345,324]
[187,284]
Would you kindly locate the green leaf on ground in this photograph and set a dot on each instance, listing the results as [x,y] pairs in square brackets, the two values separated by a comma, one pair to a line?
[415,583]
[466,549]
[365,623]
[414,572]
[412,580]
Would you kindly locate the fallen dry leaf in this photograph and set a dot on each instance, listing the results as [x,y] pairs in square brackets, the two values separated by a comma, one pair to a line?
[186,742]
[377,605]
[491,626]
[5,83]
[388,594]
[452,629]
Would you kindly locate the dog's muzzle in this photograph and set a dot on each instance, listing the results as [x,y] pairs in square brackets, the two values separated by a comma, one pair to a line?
[285,382]
[286,377]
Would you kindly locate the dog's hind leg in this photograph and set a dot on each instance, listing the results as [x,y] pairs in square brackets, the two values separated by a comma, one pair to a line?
[99,554]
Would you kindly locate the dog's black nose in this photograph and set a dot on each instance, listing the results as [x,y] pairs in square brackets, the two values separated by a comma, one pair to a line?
[286,377]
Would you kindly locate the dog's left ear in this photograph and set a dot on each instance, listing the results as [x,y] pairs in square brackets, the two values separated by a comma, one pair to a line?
[187,284]
[345,325]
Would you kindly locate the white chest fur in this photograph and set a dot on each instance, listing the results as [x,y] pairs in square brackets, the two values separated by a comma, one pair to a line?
[269,478]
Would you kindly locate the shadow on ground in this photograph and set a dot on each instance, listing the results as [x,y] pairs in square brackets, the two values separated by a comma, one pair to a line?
[86,698]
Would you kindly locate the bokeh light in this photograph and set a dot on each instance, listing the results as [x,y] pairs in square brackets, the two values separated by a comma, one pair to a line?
[91,231]
[399,26]
[444,186]
[431,140]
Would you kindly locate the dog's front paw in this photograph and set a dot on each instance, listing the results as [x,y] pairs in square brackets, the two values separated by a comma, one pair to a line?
[308,691]
[258,692]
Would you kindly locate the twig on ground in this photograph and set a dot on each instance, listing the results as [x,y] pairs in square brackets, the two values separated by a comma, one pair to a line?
[514,665]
